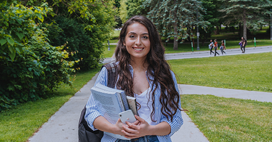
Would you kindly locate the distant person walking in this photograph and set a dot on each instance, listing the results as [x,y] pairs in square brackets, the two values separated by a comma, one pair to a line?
[215,47]
[243,44]
[211,47]
[222,47]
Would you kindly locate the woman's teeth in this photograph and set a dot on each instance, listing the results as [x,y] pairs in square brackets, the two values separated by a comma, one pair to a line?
[138,49]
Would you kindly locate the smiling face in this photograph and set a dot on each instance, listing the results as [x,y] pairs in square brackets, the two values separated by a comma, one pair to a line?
[137,41]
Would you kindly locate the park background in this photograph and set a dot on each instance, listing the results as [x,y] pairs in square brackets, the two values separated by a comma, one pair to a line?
[52,48]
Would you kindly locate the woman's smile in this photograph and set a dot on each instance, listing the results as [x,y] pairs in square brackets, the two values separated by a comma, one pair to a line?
[138,49]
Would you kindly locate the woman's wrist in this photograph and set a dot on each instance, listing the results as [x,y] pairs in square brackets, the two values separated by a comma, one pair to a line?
[151,130]
[113,129]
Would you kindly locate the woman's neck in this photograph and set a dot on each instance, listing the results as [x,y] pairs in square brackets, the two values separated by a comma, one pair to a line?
[139,65]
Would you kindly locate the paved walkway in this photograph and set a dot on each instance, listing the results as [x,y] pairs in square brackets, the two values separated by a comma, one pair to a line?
[62,126]
[202,54]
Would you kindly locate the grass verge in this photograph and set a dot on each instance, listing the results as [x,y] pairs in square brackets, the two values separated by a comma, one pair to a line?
[228,119]
[246,72]
[20,122]
[115,34]
[108,53]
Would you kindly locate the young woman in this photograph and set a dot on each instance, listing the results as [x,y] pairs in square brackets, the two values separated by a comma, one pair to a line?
[211,47]
[215,47]
[144,74]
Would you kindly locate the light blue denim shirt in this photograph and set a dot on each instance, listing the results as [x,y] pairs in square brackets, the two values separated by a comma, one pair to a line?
[92,111]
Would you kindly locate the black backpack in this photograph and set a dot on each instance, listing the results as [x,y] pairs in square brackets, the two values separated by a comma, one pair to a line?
[85,133]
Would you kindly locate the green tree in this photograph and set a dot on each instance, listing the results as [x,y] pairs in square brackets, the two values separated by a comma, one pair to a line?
[18,25]
[123,10]
[212,15]
[135,7]
[130,8]
[247,12]
[173,16]
[30,67]
[93,18]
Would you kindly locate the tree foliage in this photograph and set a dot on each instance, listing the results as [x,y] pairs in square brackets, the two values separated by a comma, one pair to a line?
[123,10]
[84,24]
[213,16]
[135,7]
[30,66]
[249,12]
[18,24]
[131,8]
[172,17]
[41,40]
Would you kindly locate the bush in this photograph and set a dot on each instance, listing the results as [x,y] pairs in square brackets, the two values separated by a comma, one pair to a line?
[39,69]
[81,43]
[30,66]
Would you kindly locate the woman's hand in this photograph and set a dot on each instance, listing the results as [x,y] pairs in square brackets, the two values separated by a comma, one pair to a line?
[136,129]
[118,127]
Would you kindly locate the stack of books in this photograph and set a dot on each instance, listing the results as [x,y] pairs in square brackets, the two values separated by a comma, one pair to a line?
[111,102]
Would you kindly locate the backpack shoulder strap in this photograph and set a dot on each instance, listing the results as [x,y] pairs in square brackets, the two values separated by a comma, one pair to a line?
[112,74]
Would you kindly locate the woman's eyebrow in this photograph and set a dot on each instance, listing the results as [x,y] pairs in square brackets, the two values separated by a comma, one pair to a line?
[136,33]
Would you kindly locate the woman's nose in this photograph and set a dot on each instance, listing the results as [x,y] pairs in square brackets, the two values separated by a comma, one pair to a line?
[138,41]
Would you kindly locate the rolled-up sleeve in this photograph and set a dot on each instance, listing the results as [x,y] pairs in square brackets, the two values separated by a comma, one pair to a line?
[177,119]
[92,111]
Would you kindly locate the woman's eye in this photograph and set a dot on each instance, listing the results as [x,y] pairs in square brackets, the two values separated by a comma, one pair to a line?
[145,37]
[131,36]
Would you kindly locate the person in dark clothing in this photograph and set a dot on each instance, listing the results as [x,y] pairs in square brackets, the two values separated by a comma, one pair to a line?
[222,47]
[215,47]
[243,44]
[211,47]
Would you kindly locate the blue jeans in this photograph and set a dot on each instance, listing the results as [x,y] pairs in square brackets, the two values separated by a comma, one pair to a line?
[141,139]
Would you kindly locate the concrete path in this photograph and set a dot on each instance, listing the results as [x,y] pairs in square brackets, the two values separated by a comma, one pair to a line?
[227,93]
[203,54]
[62,126]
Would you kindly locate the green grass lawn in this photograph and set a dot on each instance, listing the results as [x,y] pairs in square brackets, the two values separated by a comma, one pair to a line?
[20,122]
[228,119]
[246,72]
[108,53]
[115,34]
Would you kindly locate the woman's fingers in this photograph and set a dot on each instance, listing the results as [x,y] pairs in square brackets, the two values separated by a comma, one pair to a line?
[137,122]
[130,130]
[129,133]
[132,126]
[139,118]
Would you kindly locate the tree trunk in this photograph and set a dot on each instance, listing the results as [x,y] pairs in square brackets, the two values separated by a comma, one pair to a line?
[244,25]
[175,38]
[240,31]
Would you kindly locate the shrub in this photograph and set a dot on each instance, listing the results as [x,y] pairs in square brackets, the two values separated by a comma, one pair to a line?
[30,66]
[80,42]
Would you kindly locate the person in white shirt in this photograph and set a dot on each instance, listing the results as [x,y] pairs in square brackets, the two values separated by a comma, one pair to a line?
[211,47]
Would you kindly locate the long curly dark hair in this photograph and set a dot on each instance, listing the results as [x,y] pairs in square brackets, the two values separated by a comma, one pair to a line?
[157,67]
